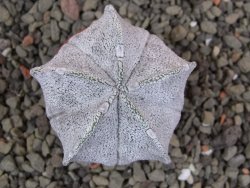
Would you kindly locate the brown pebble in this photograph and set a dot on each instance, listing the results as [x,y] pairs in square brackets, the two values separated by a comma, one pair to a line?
[27,40]
[245,171]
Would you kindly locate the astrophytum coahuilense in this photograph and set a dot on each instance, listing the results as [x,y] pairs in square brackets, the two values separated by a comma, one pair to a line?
[114,93]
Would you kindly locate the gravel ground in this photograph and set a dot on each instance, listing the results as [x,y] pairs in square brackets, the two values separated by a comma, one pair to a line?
[210,147]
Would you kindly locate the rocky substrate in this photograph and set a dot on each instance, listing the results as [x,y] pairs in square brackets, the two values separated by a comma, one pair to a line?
[210,147]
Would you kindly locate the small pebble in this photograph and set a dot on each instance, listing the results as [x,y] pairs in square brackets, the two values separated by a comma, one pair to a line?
[8,164]
[244,64]
[4,14]
[5,147]
[100,180]
[237,161]
[157,175]
[229,152]
[209,27]
[44,5]
[36,161]
[208,118]
[178,33]
[173,10]
[232,41]
[244,180]
[185,173]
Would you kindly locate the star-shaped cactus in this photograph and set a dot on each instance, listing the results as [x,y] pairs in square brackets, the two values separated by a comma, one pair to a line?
[114,93]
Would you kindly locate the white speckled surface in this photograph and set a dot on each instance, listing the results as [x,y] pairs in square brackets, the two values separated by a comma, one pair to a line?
[114,93]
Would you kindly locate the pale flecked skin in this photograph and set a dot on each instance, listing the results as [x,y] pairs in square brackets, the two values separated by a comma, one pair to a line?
[114,93]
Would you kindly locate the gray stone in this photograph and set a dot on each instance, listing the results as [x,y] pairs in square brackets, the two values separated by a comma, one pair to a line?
[4,181]
[229,153]
[100,180]
[4,14]
[29,142]
[175,141]
[45,149]
[210,103]
[52,185]
[138,173]
[222,61]
[232,172]
[176,152]
[44,5]
[19,150]
[216,11]
[20,51]
[208,118]
[205,129]
[36,161]
[206,5]
[232,41]
[12,102]
[231,135]
[246,96]
[27,168]
[247,7]
[56,160]
[244,180]
[89,15]
[228,137]
[90,5]
[219,183]
[31,183]
[247,151]
[236,90]
[33,111]
[244,64]
[5,147]
[6,125]
[37,144]
[178,33]
[139,2]
[50,139]
[237,120]
[3,86]
[157,175]
[43,181]
[209,27]
[197,185]
[173,10]
[27,18]
[239,108]
[232,18]
[57,14]
[3,111]
[237,161]
[8,164]
[55,32]
[115,180]
[17,121]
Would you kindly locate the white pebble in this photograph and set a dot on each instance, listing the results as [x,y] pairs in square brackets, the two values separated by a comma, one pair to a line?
[185,173]
[190,179]
[235,76]
[208,41]
[208,152]
[193,23]
[6,52]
